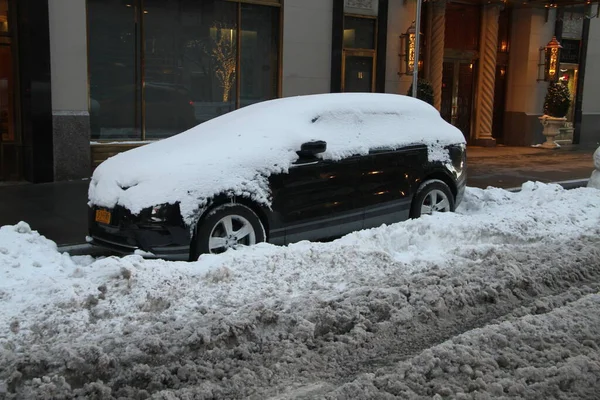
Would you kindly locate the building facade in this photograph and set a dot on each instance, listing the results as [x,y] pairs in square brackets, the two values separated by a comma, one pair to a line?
[82,80]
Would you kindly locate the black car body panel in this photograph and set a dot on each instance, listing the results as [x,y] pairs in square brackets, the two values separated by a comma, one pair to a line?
[126,232]
[316,199]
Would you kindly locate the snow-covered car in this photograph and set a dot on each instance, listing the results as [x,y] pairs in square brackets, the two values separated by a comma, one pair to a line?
[280,171]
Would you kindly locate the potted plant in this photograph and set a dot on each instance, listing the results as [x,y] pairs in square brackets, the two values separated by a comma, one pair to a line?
[424,91]
[556,106]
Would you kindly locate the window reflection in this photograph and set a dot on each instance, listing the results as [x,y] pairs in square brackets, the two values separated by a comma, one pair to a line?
[4,16]
[115,79]
[10,164]
[259,53]
[7,131]
[359,33]
[191,63]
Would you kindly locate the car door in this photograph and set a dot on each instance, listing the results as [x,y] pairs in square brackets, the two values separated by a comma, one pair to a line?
[318,199]
[388,183]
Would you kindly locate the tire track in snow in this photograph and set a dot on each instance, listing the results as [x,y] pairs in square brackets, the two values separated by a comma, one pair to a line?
[552,355]
[550,286]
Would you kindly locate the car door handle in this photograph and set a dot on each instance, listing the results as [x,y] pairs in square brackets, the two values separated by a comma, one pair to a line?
[305,164]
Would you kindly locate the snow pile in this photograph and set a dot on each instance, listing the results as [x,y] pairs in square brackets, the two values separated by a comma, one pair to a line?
[33,274]
[594,181]
[361,316]
[236,152]
[538,213]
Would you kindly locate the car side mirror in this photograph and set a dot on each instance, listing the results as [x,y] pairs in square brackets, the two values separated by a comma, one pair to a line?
[311,149]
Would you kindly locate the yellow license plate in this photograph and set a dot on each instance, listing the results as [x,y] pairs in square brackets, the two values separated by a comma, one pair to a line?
[103,216]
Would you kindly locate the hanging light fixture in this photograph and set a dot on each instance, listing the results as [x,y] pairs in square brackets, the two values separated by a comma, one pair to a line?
[409,44]
[552,57]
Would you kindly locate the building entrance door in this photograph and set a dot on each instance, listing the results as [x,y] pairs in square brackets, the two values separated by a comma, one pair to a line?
[358,69]
[457,94]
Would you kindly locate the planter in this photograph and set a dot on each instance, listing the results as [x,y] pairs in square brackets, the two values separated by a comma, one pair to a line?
[566,134]
[552,127]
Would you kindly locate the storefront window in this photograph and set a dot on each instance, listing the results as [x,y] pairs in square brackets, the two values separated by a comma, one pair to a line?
[259,53]
[570,57]
[9,136]
[191,54]
[4,16]
[6,94]
[568,77]
[114,70]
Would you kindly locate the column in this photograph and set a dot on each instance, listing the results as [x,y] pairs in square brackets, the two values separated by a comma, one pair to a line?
[436,53]
[69,82]
[486,77]
[426,55]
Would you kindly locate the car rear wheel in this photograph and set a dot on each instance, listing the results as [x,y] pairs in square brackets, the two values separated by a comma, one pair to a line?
[432,196]
[228,226]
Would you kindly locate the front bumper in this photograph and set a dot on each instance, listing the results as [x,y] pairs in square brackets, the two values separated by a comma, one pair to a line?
[126,233]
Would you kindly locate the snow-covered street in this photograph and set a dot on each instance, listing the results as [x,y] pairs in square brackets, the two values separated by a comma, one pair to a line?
[497,300]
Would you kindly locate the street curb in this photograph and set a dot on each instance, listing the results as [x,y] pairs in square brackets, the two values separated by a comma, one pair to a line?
[83,249]
[571,184]
[74,247]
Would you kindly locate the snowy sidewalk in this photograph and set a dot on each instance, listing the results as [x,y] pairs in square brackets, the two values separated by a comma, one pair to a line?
[508,167]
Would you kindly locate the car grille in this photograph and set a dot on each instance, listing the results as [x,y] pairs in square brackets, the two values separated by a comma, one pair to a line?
[119,216]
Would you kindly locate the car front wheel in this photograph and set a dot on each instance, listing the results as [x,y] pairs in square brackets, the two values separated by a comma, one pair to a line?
[432,196]
[228,226]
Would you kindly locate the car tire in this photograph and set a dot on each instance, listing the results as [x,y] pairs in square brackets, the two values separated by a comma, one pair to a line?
[227,226]
[432,195]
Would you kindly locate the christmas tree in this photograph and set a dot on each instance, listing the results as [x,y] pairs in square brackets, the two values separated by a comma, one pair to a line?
[557,101]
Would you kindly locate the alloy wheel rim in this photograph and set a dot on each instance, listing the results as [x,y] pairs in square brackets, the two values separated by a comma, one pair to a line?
[231,232]
[435,201]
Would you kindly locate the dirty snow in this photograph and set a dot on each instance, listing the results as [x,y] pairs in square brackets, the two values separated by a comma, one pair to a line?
[498,300]
[236,152]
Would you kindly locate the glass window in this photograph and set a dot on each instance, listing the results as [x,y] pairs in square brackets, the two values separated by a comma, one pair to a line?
[504,30]
[4,16]
[259,53]
[359,33]
[10,151]
[6,95]
[114,73]
[190,63]
[192,69]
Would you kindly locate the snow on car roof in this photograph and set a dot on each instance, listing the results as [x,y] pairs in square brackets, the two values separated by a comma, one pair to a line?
[236,152]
